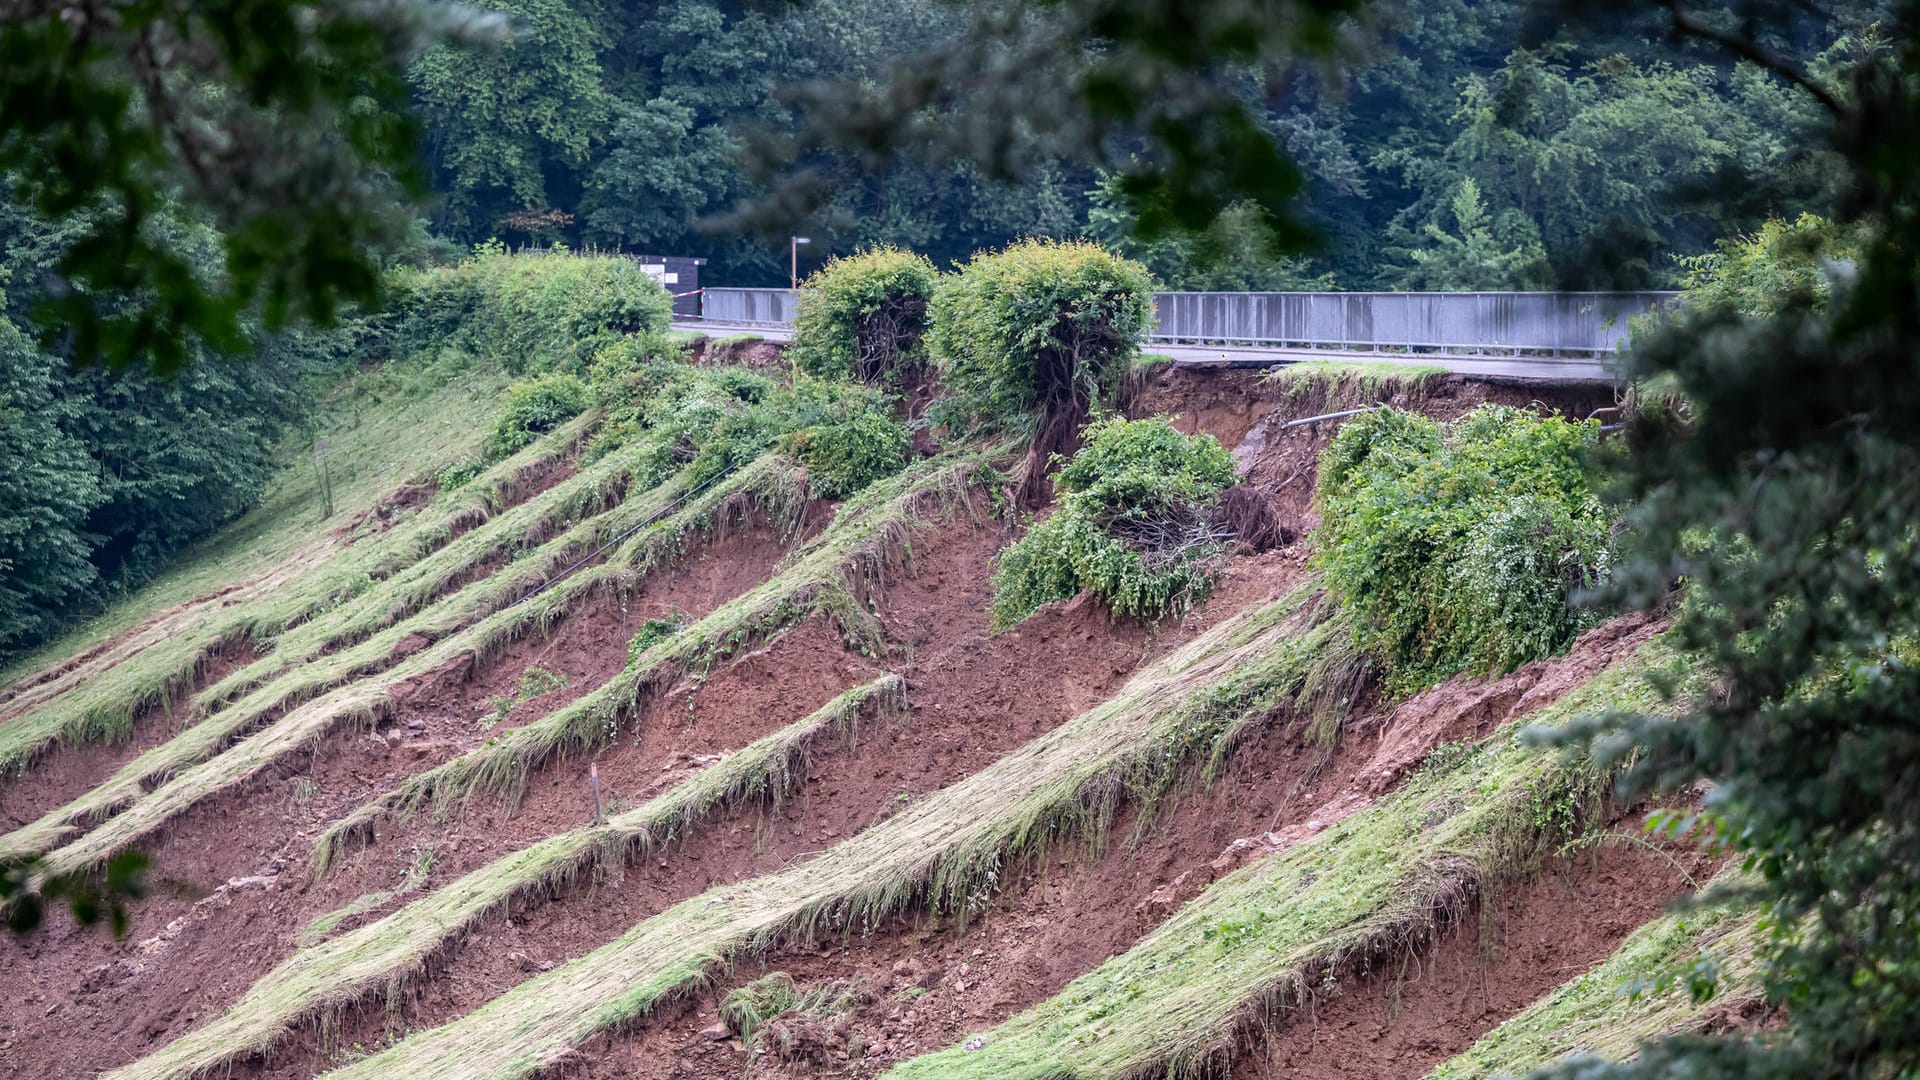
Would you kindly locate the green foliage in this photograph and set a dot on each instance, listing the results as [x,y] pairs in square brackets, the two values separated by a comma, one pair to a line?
[715,419]
[1781,264]
[1131,524]
[501,117]
[844,456]
[1787,504]
[531,311]
[455,476]
[1045,327]
[91,898]
[1240,251]
[534,682]
[749,1010]
[48,485]
[653,632]
[1482,253]
[1458,546]
[864,316]
[535,407]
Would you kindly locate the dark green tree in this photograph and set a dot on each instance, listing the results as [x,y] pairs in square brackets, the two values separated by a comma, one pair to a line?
[281,123]
[48,486]
[1787,503]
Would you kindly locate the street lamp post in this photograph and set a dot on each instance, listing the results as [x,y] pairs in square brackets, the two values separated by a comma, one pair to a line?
[793,270]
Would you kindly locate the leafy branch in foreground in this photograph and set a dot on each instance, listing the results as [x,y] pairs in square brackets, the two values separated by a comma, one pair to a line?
[91,898]
[1787,503]
[268,119]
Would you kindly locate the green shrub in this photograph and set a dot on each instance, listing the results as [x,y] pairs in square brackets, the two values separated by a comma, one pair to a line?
[843,457]
[1759,274]
[456,475]
[533,311]
[1132,524]
[713,419]
[535,407]
[1043,328]
[864,317]
[1456,546]
[750,1010]
[654,631]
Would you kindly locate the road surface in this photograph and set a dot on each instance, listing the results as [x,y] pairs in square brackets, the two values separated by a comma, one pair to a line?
[1537,369]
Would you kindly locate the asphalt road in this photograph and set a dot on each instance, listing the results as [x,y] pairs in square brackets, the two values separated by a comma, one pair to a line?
[1535,369]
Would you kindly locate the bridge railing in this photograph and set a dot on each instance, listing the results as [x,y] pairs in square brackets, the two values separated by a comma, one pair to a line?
[1552,323]
[1569,323]
[754,307]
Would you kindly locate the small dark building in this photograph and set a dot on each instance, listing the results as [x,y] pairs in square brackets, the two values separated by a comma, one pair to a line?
[681,277]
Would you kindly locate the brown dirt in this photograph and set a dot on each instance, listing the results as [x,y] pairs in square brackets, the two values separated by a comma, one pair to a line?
[928,986]
[69,771]
[1514,947]
[973,696]
[231,886]
[236,890]
[746,352]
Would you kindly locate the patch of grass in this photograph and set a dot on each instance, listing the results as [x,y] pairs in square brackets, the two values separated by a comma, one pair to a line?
[737,339]
[869,538]
[945,854]
[372,448]
[654,631]
[97,699]
[1258,943]
[534,682]
[1352,382]
[419,862]
[327,976]
[769,488]
[317,930]
[1660,982]
[748,1010]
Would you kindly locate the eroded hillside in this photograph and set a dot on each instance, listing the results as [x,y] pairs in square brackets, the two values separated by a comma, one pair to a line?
[615,764]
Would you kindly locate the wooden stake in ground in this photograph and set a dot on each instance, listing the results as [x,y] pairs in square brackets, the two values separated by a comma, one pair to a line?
[593,775]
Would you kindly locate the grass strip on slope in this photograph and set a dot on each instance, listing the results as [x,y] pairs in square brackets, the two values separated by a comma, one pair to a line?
[868,536]
[321,979]
[1351,381]
[198,766]
[1638,994]
[947,851]
[101,706]
[388,610]
[1257,942]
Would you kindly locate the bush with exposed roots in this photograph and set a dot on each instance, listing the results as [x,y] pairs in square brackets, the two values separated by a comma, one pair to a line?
[1036,337]
[1136,524]
[865,317]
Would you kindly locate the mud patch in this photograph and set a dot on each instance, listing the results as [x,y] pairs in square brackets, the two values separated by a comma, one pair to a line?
[232,889]
[973,696]
[1516,946]
[926,985]
[67,772]
[1250,415]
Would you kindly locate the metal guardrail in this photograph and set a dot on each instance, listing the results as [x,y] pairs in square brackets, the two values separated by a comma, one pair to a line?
[1555,323]
[761,307]
[1584,323]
